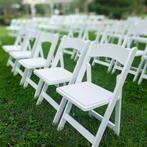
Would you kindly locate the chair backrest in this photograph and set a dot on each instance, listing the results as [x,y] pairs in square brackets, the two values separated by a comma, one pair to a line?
[73,43]
[122,55]
[45,37]
[105,38]
[98,28]
[20,37]
[28,36]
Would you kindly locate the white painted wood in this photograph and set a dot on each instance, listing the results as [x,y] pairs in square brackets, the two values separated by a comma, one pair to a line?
[59,75]
[88,96]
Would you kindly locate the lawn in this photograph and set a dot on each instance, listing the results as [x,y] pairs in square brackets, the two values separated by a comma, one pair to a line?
[22,123]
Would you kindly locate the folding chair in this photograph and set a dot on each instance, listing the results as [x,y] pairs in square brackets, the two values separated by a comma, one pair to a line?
[25,51]
[17,46]
[38,60]
[88,96]
[59,75]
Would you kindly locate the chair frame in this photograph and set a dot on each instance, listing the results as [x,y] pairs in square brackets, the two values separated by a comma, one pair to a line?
[126,57]
[30,35]
[66,42]
[38,52]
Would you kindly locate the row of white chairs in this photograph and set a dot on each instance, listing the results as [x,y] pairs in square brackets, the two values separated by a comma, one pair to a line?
[66,22]
[118,30]
[56,22]
[85,95]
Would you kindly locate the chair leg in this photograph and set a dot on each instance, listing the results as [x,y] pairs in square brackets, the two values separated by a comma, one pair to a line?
[38,90]
[60,111]
[103,124]
[117,116]
[14,66]
[24,76]
[66,111]
[28,75]
[16,69]
[40,99]
[138,70]
[93,62]
[143,72]
[9,60]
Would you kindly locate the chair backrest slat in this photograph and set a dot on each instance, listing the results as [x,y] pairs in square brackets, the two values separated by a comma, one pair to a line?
[66,42]
[109,50]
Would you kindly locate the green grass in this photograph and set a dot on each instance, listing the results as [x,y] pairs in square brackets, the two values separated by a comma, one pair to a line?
[22,123]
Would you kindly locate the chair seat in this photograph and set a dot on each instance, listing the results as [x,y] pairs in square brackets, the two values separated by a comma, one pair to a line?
[54,75]
[20,54]
[86,95]
[139,53]
[33,63]
[9,48]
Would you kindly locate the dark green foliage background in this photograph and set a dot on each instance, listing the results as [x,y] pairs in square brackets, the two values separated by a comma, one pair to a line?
[119,8]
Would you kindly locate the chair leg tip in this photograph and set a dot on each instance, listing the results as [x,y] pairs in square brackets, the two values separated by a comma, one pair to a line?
[59,129]
[38,103]
[35,97]
[54,123]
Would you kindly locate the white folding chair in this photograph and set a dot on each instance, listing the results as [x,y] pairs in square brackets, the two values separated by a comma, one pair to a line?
[38,60]
[25,51]
[17,46]
[88,96]
[59,75]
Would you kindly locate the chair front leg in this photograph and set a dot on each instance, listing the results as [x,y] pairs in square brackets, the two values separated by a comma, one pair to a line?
[9,60]
[103,124]
[63,120]
[16,68]
[138,70]
[40,99]
[28,75]
[118,116]
[39,87]
[24,76]
[60,111]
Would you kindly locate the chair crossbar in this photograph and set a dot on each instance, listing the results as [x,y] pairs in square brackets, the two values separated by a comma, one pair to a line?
[132,70]
[32,83]
[20,71]
[50,100]
[101,62]
[68,52]
[100,117]
[88,135]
